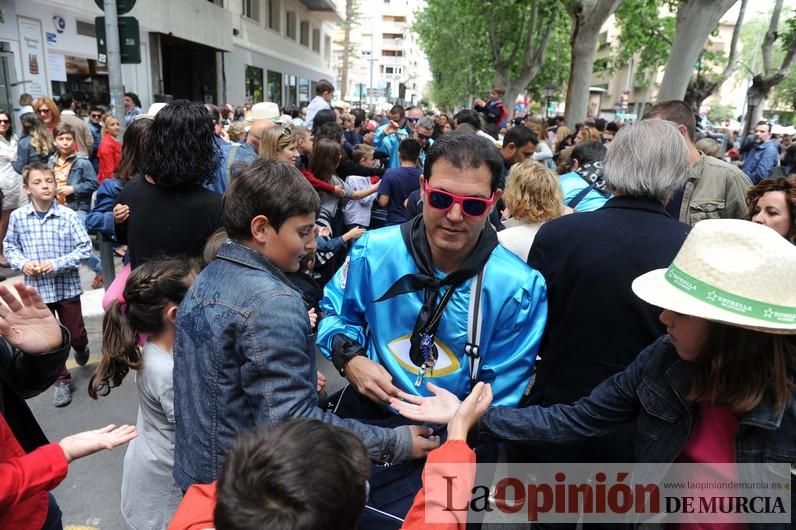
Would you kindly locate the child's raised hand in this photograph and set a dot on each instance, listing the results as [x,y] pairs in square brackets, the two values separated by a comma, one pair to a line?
[321,382]
[313,317]
[353,234]
[90,442]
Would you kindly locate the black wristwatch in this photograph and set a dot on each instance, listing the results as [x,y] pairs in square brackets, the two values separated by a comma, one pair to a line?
[343,350]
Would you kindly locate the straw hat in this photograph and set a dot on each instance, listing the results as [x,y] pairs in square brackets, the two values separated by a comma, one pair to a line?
[735,272]
[264,111]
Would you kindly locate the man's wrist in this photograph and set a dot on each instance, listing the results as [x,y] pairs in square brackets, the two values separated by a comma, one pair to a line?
[343,350]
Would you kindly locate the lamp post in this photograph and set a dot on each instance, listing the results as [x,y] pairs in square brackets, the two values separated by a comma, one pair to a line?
[548,93]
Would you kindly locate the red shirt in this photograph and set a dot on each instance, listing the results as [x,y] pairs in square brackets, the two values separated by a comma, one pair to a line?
[25,480]
[109,155]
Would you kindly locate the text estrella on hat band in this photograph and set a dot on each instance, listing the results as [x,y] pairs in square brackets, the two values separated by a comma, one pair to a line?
[730,302]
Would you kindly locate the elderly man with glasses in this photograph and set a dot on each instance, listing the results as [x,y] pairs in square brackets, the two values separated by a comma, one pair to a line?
[435,300]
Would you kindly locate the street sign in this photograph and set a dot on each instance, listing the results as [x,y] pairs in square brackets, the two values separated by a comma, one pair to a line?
[376,92]
[122,6]
[129,39]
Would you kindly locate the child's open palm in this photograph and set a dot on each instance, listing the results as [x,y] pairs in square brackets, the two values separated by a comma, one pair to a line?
[26,323]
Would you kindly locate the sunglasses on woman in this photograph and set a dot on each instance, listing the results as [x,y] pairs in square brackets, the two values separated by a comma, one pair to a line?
[443,200]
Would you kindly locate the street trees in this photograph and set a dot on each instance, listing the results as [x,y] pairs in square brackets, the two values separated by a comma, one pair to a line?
[587,18]
[694,22]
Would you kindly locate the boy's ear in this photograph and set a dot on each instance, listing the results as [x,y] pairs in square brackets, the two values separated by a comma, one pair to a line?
[259,227]
[171,313]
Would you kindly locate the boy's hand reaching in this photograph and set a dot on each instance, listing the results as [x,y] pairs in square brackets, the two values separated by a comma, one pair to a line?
[339,191]
[354,233]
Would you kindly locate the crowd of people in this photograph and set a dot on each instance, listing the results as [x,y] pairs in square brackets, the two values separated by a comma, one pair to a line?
[533,284]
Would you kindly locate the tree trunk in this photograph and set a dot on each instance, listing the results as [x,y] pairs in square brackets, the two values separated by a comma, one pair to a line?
[695,20]
[587,19]
[349,21]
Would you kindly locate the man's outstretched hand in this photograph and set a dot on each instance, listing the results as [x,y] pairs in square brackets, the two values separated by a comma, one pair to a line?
[26,323]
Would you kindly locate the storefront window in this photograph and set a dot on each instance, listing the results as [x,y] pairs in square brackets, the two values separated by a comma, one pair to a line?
[290,90]
[254,84]
[86,80]
[275,87]
[304,91]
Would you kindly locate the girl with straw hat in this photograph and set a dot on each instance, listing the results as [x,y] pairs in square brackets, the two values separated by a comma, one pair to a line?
[718,387]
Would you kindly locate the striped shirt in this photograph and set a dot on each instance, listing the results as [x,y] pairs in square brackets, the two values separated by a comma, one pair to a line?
[58,237]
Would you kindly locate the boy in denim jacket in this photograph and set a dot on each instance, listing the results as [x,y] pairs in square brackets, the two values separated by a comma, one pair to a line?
[244,354]
[75,183]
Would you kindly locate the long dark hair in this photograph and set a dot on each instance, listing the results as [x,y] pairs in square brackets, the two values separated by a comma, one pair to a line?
[181,149]
[149,289]
[740,368]
[325,157]
[134,147]
[10,131]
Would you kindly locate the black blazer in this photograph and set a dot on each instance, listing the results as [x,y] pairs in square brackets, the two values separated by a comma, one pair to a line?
[596,325]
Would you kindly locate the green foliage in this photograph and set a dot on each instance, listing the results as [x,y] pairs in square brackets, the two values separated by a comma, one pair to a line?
[454,35]
[644,31]
[718,114]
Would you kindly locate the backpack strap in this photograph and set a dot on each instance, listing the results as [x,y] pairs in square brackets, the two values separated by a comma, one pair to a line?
[579,197]
[474,321]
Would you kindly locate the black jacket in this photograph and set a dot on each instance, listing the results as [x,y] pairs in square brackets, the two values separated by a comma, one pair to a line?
[24,376]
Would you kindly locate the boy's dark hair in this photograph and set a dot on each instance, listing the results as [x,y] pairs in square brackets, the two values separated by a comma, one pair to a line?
[398,109]
[468,116]
[322,117]
[465,150]
[181,151]
[134,97]
[409,150]
[359,117]
[520,136]
[323,86]
[361,152]
[600,124]
[149,289]
[35,166]
[589,152]
[330,130]
[267,187]
[675,111]
[96,108]
[612,126]
[268,481]
[63,128]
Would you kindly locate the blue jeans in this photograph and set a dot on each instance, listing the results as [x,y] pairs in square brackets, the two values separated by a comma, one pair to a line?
[92,262]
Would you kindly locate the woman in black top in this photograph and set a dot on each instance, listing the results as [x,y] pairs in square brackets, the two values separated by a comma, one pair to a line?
[170,212]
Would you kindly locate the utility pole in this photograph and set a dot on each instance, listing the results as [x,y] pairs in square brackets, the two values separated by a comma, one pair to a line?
[114,58]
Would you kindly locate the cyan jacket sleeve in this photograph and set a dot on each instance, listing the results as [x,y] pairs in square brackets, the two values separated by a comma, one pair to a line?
[344,308]
[611,404]
[508,365]
[279,377]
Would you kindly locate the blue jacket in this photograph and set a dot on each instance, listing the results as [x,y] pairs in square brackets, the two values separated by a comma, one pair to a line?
[572,184]
[514,315]
[760,160]
[653,392]
[244,355]
[388,144]
[100,219]
[27,155]
[81,177]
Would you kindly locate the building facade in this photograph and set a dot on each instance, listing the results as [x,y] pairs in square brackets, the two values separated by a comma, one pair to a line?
[218,51]
[387,65]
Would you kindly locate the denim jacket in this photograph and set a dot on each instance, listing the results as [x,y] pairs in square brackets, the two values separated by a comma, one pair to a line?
[652,391]
[244,356]
[81,177]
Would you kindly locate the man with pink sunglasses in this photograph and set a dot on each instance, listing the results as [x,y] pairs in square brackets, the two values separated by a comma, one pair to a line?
[436,301]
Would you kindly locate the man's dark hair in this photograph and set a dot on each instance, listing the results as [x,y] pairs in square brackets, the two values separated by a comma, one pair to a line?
[181,149]
[764,122]
[588,152]
[97,108]
[675,111]
[612,126]
[465,150]
[468,116]
[271,188]
[65,101]
[215,114]
[409,150]
[134,97]
[520,136]
[269,482]
[398,109]
[323,86]
[323,117]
